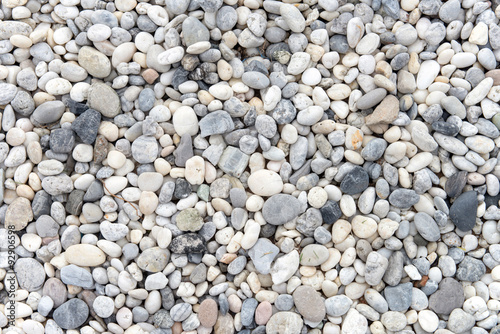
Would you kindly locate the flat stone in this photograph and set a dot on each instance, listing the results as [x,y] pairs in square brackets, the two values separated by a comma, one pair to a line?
[95,62]
[56,290]
[145,149]
[233,161]
[193,31]
[75,275]
[385,113]
[314,255]
[309,303]
[85,255]
[48,112]
[153,259]
[18,214]
[355,182]
[463,211]
[217,122]
[72,314]
[330,212]
[427,227]
[448,297]
[248,311]
[104,99]
[46,226]
[11,28]
[455,184]
[30,274]
[184,150]
[62,140]
[399,297]
[403,198]
[263,254]
[280,208]
[208,312]
[460,321]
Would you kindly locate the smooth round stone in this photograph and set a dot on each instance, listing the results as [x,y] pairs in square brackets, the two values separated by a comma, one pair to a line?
[368,44]
[125,5]
[363,227]
[371,99]
[185,121]
[104,99]
[103,306]
[171,56]
[374,150]
[280,209]
[150,181]
[85,255]
[98,32]
[153,259]
[265,183]
[116,159]
[311,77]
[83,153]
[393,321]
[72,314]
[428,71]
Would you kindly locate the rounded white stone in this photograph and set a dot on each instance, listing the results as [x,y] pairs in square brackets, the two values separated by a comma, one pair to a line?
[116,159]
[265,183]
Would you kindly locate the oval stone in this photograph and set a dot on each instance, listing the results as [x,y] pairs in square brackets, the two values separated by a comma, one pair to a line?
[280,208]
[265,183]
[85,255]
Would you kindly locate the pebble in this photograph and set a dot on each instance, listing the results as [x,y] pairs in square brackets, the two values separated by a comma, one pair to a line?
[463,210]
[448,297]
[71,314]
[280,208]
[281,321]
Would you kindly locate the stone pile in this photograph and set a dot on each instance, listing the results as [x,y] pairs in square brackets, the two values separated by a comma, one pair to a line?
[250,166]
